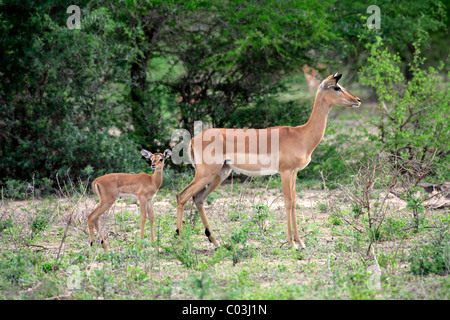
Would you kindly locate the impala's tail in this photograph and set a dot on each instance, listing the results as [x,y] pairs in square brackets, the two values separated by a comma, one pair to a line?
[190,154]
[95,188]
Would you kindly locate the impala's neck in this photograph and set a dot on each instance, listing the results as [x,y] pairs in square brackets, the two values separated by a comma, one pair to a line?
[157,177]
[316,125]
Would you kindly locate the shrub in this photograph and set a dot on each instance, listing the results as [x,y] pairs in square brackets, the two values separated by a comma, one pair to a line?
[183,249]
[5,223]
[39,224]
[433,257]
[15,189]
[15,269]
[413,113]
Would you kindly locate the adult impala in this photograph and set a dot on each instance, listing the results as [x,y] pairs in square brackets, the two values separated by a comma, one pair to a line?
[142,186]
[215,152]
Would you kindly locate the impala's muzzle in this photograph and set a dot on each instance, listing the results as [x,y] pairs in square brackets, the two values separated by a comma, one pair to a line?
[356,105]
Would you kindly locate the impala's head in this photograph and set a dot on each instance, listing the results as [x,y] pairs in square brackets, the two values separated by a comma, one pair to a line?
[157,159]
[337,95]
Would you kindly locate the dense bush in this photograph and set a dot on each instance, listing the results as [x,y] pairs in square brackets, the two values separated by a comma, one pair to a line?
[145,68]
[413,121]
[433,257]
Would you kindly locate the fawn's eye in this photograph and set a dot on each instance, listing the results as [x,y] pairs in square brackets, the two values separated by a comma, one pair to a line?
[337,88]
[161,159]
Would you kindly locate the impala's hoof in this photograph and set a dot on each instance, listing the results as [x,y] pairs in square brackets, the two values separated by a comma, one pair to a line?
[302,247]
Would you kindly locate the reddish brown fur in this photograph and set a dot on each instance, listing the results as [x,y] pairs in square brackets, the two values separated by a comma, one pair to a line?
[142,185]
[296,144]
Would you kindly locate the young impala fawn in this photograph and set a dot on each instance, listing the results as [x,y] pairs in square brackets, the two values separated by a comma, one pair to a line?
[142,186]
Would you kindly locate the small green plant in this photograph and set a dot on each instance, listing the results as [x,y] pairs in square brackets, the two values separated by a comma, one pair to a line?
[183,249]
[241,235]
[414,199]
[15,269]
[433,257]
[40,223]
[356,210]
[334,220]
[102,279]
[6,223]
[202,285]
[47,267]
[16,189]
[212,197]
[260,215]
[367,211]
[322,207]
[393,228]
[234,215]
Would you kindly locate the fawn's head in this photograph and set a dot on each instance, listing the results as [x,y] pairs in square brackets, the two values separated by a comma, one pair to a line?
[157,159]
[335,94]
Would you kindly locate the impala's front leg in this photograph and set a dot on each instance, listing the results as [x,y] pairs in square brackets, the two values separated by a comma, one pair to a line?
[286,186]
[180,210]
[293,214]
[151,218]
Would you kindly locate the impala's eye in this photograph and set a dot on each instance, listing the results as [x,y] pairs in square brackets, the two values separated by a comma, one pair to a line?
[337,88]
[160,159]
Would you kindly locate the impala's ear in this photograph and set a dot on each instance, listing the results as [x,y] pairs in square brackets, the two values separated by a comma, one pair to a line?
[167,153]
[146,153]
[337,76]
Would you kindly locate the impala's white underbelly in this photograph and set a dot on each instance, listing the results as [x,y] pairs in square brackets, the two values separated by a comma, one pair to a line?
[256,173]
[127,195]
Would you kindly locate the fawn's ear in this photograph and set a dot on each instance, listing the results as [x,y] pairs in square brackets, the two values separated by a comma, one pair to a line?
[167,153]
[146,153]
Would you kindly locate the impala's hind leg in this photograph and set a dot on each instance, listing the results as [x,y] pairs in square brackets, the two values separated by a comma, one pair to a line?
[93,219]
[199,200]
[201,180]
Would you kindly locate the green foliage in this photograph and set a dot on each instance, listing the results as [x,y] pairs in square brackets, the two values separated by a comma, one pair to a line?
[322,207]
[414,197]
[39,224]
[201,285]
[402,23]
[340,142]
[212,197]
[15,189]
[15,269]
[183,249]
[414,113]
[334,220]
[80,103]
[333,266]
[433,257]
[6,223]
[261,213]
[237,53]
[57,97]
